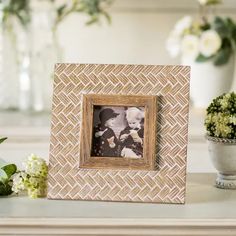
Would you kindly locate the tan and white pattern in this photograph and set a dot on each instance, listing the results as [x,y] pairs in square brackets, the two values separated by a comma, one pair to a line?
[167,183]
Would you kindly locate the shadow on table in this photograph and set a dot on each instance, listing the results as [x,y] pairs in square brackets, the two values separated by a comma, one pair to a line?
[202,190]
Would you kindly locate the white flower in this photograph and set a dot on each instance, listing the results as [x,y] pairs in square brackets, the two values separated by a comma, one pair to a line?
[232,119]
[190,46]
[203,2]
[173,44]
[183,24]
[35,166]
[33,179]
[210,43]
[18,182]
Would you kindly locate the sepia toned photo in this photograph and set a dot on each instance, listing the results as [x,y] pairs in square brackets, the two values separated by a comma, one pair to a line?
[118,132]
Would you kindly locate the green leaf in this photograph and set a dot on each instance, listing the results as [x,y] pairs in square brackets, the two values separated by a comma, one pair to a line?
[205,26]
[232,27]
[3,176]
[2,139]
[213,2]
[221,27]
[234,35]
[5,189]
[17,8]
[61,9]
[202,58]
[222,57]
[230,23]
[107,16]
[10,169]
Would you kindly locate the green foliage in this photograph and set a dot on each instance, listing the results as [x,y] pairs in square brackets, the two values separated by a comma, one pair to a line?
[22,11]
[10,169]
[202,58]
[226,29]
[213,2]
[223,56]
[93,8]
[2,139]
[6,172]
[220,120]
[18,8]
[5,189]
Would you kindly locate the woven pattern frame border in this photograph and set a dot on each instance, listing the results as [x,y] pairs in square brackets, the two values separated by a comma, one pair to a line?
[166,184]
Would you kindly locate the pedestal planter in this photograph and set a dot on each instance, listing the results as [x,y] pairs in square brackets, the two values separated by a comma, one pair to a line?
[209,81]
[223,155]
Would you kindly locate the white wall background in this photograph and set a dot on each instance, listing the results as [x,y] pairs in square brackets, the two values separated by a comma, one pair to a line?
[137,33]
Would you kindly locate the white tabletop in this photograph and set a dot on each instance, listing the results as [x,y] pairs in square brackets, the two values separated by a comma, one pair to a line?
[203,201]
[207,211]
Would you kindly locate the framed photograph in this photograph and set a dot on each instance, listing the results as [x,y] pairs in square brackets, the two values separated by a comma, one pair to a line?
[118,132]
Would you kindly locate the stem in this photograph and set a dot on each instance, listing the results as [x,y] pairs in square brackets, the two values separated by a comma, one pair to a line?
[203,14]
[56,43]
[233,44]
[63,16]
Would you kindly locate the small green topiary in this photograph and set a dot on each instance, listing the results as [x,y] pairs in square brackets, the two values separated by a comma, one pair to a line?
[220,120]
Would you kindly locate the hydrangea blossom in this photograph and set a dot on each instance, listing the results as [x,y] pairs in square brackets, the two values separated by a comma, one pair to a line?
[18,182]
[33,178]
[35,166]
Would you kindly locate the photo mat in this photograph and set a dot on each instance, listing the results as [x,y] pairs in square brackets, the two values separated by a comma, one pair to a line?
[167,184]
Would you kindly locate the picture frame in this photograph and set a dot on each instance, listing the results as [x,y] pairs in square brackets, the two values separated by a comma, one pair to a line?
[148,140]
[167,182]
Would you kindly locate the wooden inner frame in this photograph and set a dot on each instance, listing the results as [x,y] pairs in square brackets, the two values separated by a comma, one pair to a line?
[148,161]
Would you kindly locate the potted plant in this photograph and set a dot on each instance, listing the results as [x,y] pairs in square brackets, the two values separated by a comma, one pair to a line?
[220,123]
[206,43]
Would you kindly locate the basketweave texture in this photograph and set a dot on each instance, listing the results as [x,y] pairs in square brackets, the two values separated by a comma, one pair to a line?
[166,184]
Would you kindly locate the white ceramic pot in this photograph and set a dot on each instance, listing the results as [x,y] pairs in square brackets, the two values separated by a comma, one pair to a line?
[223,155]
[209,81]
